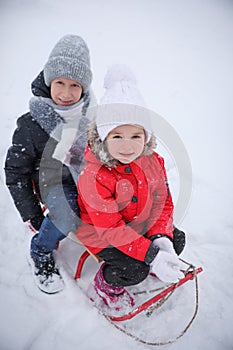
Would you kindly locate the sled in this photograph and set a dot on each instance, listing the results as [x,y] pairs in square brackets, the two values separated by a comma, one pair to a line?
[189,275]
[156,298]
[145,308]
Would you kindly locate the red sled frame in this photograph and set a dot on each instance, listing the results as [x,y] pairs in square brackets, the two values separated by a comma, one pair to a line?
[189,276]
[142,307]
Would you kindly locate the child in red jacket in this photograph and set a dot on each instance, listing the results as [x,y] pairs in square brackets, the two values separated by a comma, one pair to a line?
[125,204]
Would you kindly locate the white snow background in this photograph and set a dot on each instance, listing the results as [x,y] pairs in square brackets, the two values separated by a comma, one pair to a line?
[181,52]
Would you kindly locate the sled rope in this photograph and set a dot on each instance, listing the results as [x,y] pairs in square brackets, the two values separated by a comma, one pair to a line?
[165,298]
[158,305]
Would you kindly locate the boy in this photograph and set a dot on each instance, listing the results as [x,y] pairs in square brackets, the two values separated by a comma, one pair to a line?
[36,168]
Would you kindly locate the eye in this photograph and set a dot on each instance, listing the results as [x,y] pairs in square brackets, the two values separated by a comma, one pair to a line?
[77,86]
[116,137]
[137,136]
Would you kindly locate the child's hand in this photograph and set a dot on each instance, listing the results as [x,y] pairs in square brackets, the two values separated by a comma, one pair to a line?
[164,244]
[35,223]
[166,266]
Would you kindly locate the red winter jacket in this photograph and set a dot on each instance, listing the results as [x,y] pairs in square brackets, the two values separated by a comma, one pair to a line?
[124,206]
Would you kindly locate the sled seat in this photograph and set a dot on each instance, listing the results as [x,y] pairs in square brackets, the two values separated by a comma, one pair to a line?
[83,257]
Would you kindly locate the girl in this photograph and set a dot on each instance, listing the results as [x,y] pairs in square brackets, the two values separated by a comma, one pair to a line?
[125,203]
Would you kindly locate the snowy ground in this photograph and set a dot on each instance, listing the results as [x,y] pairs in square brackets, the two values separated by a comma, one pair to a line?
[182,53]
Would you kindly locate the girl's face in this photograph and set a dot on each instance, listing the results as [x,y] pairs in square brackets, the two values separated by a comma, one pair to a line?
[126,143]
[65,92]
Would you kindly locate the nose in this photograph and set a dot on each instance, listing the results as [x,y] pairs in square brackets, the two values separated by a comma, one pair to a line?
[66,93]
[126,145]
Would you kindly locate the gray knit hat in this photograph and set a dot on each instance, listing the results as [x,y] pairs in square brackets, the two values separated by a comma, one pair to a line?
[69,59]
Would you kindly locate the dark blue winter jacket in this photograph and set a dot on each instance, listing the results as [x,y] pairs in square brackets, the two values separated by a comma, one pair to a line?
[29,161]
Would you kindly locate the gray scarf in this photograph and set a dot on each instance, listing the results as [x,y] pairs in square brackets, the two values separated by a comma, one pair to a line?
[67,125]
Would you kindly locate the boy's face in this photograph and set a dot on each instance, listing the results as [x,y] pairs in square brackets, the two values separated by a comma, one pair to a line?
[126,143]
[65,92]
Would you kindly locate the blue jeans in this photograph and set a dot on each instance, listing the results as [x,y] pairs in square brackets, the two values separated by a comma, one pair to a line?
[62,218]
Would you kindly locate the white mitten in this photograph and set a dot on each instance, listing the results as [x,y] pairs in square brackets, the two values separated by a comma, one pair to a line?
[166,266]
[165,244]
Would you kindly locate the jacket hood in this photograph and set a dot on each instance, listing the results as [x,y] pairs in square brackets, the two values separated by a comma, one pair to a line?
[39,88]
[99,148]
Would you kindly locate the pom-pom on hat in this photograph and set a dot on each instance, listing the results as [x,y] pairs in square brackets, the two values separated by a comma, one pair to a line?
[69,59]
[122,103]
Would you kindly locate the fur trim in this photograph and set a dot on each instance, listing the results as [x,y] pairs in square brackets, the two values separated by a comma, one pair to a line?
[99,147]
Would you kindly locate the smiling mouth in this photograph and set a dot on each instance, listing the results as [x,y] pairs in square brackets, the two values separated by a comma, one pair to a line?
[126,154]
[66,102]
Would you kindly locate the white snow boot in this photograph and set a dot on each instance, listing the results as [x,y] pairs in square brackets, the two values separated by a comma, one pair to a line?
[46,275]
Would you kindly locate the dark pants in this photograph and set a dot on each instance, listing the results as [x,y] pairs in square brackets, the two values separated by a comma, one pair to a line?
[122,270]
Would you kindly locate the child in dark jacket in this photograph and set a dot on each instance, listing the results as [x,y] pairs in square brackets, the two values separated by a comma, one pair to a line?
[124,199]
[39,167]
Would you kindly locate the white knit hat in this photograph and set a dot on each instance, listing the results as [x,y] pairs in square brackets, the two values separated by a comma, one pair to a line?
[69,59]
[122,103]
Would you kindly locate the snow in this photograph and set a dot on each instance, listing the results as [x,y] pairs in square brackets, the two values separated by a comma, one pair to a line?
[182,53]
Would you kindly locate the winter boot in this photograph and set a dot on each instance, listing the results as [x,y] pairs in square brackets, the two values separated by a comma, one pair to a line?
[114,297]
[47,275]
